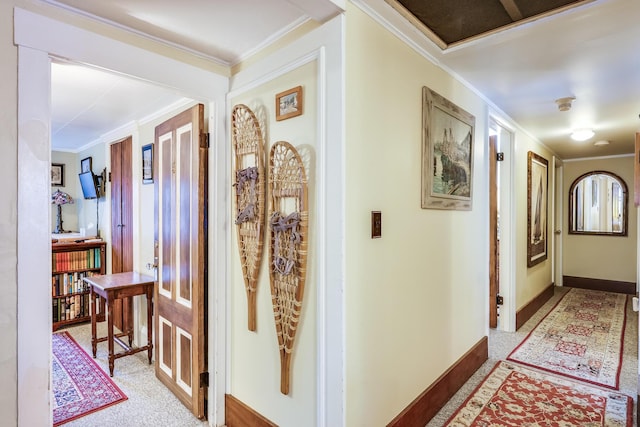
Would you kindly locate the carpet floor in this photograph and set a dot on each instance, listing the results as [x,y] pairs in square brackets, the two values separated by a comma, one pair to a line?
[79,386]
[513,395]
[581,338]
[149,403]
[502,343]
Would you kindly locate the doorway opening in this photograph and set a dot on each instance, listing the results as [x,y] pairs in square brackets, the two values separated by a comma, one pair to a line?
[76,111]
[503,228]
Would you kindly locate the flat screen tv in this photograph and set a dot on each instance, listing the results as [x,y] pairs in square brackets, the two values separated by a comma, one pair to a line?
[89,185]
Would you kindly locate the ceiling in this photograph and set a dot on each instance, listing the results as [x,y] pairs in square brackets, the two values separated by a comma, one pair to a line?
[586,51]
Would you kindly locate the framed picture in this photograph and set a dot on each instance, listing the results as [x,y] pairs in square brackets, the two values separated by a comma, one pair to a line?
[447,153]
[85,165]
[289,103]
[537,201]
[57,175]
[147,164]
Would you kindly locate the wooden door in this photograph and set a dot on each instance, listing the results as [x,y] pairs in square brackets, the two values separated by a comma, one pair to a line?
[180,178]
[494,246]
[122,225]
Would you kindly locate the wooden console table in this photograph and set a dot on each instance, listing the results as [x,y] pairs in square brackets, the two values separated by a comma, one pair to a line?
[116,286]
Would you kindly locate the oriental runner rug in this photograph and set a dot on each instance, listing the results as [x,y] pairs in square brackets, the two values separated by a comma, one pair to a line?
[513,395]
[78,385]
[581,337]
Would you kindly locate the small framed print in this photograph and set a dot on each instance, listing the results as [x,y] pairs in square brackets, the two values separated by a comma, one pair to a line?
[147,164]
[289,103]
[85,165]
[57,175]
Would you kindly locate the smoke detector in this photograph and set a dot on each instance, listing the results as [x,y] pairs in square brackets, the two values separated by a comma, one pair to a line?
[564,104]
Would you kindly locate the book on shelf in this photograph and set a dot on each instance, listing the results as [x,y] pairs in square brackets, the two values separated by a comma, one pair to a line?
[76,260]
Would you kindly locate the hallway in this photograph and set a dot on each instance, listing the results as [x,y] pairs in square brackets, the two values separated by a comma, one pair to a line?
[502,343]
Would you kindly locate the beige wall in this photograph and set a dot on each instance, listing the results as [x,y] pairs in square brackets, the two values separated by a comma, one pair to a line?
[530,281]
[415,297]
[601,257]
[87,218]
[255,362]
[70,212]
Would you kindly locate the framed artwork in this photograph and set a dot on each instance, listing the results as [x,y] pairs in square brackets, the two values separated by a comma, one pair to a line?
[447,154]
[537,202]
[147,164]
[85,165]
[289,103]
[57,175]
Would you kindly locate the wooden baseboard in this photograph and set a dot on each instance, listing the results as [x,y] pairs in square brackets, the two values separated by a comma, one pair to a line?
[526,312]
[599,284]
[430,401]
[237,414]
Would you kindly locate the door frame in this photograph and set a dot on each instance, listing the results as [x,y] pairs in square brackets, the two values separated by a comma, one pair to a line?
[34,320]
[506,209]
[35,49]
[558,221]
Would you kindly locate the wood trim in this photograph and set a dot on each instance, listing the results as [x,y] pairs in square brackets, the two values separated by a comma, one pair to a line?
[599,284]
[526,312]
[636,172]
[430,401]
[238,414]
[494,276]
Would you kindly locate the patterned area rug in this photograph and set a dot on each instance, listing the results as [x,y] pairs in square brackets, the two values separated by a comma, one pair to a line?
[514,396]
[580,338]
[79,386]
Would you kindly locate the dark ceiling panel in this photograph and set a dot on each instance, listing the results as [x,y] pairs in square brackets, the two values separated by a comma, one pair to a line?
[530,8]
[455,20]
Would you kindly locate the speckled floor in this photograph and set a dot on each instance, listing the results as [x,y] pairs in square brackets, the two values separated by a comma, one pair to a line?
[149,402]
[502,343]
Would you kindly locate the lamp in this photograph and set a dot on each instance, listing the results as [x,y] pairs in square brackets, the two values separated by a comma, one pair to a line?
[582,134]
[60,198]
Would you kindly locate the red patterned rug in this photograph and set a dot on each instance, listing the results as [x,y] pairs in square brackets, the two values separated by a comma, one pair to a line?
[79,386]
[581,338]
[514,396]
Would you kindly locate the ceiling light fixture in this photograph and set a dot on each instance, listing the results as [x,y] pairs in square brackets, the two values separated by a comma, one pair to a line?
[564,104]
[601,142]
[582,134]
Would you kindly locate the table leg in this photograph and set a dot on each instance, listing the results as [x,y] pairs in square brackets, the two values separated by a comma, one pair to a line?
[94,336]
[150,323]
[110,334]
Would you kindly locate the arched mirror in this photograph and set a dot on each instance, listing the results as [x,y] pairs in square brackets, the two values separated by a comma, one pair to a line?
[598,204]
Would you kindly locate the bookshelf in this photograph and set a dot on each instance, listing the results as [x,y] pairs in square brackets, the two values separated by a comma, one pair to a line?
[71,262]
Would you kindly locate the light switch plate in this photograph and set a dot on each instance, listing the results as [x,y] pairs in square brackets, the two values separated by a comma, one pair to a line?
[376,224]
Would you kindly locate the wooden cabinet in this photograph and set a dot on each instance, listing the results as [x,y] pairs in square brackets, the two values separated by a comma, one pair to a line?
[70,263]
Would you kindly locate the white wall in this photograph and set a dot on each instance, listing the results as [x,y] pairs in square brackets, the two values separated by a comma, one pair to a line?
[8,215]
[417,297]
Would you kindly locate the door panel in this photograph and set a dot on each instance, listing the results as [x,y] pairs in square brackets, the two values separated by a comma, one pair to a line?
[122,225]
[180,221]
[494,284]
